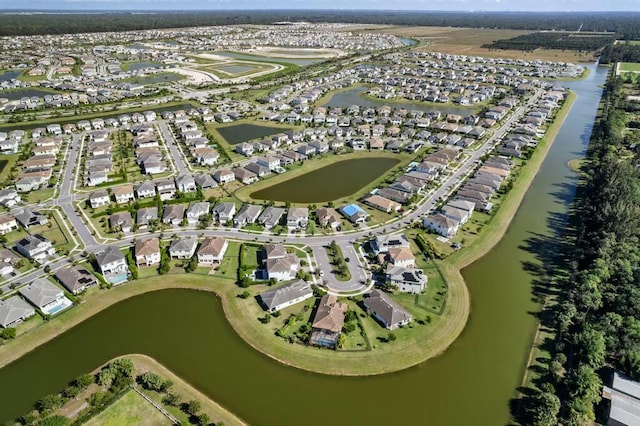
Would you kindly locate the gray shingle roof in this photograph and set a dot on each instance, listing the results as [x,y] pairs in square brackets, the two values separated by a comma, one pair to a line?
[14,309]
[277,296]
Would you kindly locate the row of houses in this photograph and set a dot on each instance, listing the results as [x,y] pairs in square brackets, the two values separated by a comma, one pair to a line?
[38,168]
[475,194]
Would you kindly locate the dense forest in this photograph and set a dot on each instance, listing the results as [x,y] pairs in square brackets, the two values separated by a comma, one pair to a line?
[624,24]
[596,320]
[554,40]
[620,52]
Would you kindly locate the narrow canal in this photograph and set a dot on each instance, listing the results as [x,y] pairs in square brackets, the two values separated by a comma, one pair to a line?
[470,384]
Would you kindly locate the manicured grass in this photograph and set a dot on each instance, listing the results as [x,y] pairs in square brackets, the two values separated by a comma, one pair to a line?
[39,195]
[131,409]
[229,267]
[630,66]
[6,163]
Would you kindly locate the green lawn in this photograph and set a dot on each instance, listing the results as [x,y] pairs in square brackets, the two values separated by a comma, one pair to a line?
[6,163]
[131,409]
[230,263]
[629,66]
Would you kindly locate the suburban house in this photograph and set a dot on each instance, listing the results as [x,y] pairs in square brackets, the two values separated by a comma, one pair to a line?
[401,256]
[13,311]
[245,176]
[224,212]
[458,215]
[381,203]
[382,243]
[270,217]
[224,176]
[30,218]
[35,247]
[121,221]
[166,189]
[279,264]
[407,280]
[247,214]
[76,279]
[183,248]
[99,198]
[147,252]
[212,250]
[173,214]
[328,217]
[287,295]
[441,225]
[113,265]
[8,223]
[186,183]
[146,216]
[197,210]
[146,190]
[328,322]
[354,213]
[297,217]
[386,311]
[123,194]
[44,295]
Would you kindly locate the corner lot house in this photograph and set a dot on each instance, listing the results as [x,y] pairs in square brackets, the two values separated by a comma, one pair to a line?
[76,279]
[279,298]
[212,250]
[147,252]
[13,311]
[386,311]
[279,264]
[113,265]
[44,295]
[35,247]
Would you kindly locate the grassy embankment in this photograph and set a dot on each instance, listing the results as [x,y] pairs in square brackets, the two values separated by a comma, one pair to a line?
[411,348]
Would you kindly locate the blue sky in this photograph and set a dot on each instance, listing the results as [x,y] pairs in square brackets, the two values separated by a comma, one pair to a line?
[464,5]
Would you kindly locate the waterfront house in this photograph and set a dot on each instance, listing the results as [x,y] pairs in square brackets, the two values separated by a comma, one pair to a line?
[76,279]
[441,225]
[328,217]
[284,296]
[113,265]
[385,310]
[13,311]
[328,322]
[46,296]
[183,248]
[406,279]
[245,176]
[147,252]
[212,250]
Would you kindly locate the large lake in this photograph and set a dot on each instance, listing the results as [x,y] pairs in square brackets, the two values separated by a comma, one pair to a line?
[470,384]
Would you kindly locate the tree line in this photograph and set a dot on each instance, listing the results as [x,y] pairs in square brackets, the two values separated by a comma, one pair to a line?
[620,52]
[12,24]
[553,40]
[596,320]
